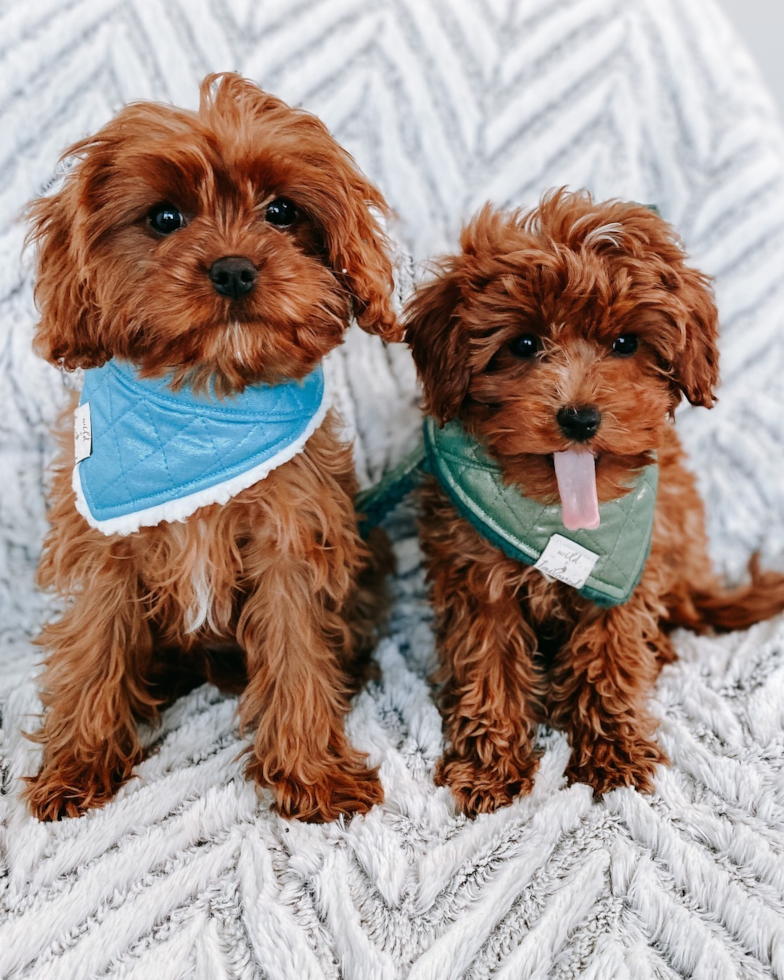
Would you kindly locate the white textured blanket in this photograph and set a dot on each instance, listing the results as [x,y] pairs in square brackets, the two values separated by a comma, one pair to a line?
[445,103]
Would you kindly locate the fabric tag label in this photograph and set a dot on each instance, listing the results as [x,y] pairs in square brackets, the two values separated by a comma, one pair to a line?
[83,433]
[566,561]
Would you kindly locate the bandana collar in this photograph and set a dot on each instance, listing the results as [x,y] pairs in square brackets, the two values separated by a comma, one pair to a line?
[151,454]
[605,564]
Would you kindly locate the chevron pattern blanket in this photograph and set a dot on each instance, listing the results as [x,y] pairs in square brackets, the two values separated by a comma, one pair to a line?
[445,105]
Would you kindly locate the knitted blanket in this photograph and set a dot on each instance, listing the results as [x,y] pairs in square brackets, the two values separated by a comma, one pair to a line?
[188,873]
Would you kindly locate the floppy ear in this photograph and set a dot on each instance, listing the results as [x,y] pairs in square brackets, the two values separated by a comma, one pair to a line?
[692,355]
[359,256]
[696,368]
[438,344]
[67,333]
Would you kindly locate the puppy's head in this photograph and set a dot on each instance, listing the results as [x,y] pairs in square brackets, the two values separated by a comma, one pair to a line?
[231,244]
[575,327]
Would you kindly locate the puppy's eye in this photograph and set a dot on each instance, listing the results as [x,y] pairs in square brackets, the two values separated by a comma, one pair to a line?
[625,345]
[281,212]
[525,346]
[165,218]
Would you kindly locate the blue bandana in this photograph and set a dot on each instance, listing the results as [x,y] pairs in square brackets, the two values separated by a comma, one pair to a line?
[158,455]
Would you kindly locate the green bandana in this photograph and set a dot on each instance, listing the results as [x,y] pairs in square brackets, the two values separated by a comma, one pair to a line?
[523,529]
[605,564]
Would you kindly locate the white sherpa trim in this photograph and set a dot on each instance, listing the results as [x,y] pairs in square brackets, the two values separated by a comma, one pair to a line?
[182,508]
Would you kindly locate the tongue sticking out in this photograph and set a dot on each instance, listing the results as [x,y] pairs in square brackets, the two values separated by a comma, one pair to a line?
[576,475]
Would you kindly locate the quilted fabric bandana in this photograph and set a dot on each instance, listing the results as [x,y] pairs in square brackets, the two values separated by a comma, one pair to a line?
[526,530]
[158,455]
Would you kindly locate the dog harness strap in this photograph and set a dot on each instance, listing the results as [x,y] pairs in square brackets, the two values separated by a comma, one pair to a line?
[155,454]
[374,504]
[523,528]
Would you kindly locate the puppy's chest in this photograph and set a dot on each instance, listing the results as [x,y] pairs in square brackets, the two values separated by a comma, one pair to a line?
[201,610]
[553,610]
[194,576]
[545,602]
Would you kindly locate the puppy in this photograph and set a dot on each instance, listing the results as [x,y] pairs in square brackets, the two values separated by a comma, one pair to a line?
[553,350]
[199,266]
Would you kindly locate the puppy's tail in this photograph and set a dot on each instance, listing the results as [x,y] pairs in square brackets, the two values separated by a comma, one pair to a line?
[739,608]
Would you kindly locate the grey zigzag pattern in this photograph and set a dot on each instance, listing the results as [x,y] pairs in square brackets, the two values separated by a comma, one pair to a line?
[445,105]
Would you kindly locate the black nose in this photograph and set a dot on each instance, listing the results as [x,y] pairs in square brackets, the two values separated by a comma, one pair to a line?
[233,276]
[579,424]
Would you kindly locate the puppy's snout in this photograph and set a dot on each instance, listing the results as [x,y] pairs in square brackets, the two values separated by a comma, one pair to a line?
[233,276]
[580,424]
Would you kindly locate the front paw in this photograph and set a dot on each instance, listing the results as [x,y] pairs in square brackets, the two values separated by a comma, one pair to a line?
[68,788]
[609,762]
[340,787]
[481,788]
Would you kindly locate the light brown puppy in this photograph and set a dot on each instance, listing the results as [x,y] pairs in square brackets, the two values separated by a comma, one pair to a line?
[126,269]
[577,326]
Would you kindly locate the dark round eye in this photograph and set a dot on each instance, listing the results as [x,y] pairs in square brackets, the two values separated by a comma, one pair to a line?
[625,345]
[525,346]
[281,212]
[165,218]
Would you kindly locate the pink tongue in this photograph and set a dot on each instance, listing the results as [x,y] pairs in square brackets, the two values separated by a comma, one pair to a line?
[576,475]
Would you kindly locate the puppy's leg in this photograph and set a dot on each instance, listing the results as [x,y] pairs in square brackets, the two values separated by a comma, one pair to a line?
[93,686]
[599,685]
[485,648]
[303,567]
[367,607]
[297,697]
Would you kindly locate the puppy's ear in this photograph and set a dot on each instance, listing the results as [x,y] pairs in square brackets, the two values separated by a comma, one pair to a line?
[437,343]
[67,333]
[690,352]
[359,256]
[696,367]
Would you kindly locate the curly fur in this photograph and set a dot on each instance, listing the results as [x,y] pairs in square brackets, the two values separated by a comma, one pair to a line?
[272,593]
[515,649]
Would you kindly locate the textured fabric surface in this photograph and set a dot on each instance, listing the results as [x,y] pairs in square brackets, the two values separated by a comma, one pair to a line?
[444,104]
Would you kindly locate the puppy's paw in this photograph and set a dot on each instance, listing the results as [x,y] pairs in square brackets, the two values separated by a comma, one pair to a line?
[606,763]
[344,787]
[483,789]
[70,790]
